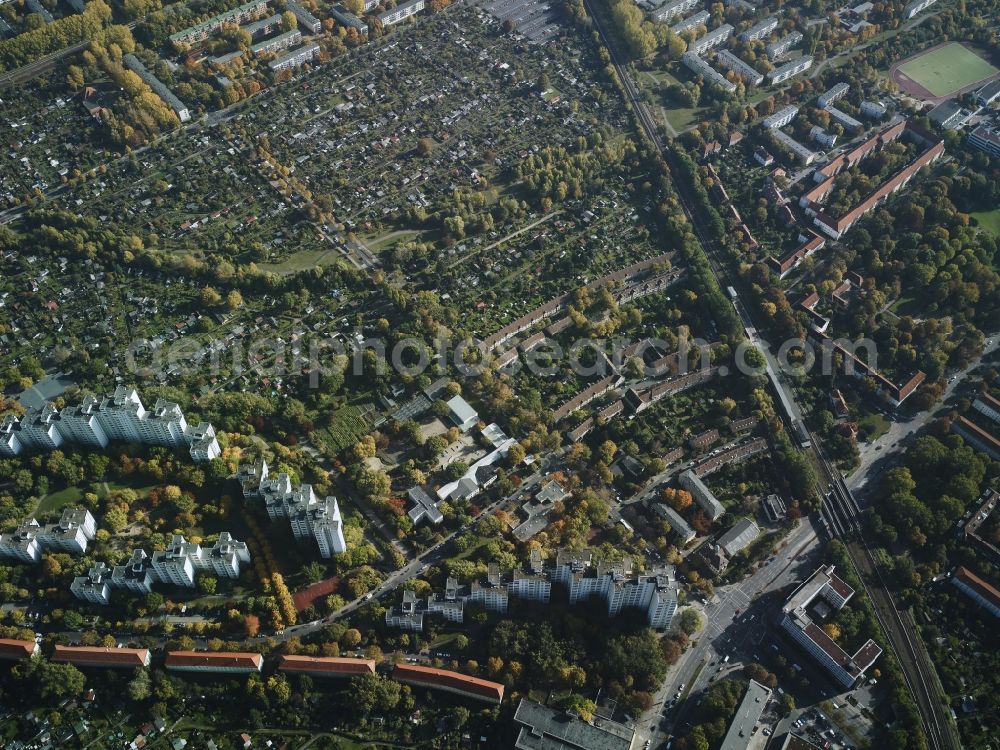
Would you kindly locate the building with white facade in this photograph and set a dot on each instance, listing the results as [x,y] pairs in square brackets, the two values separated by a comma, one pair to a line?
[680,528]
[307,515]
[135,575]
[748,73]
[93,587]
[71,534]
[673,9]
[119,417]
[844,119]
[832,94]
[223,558]
[986,139]
[462,414]
[698,19]
[700,66]
[916,7]
[789,69]
[295,57]
[711,39]
[817,595]
[701,495]
[780,47]
[822,137]
[781,118]
[801,152]
[176,563]
[401,12]
[873,110]
[22,544]
[760,30]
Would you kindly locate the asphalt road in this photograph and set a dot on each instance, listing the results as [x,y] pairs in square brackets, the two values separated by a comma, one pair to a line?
[735,622]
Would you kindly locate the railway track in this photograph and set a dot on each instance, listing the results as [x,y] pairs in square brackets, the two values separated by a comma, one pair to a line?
[839,511]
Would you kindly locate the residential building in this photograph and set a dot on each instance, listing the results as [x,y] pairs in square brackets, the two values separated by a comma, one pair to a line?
[450,682]
[81,425]
[702,496]
[306,20]
[462,414]
[780,118]
[93,656]
[789,69]
[744,723]
[176,564]
[277,43]
[986,139]
[401,12]
[204,445]
[760,30]
[39,428]
[294,58]
[916,7]
[22,544]
[692,22]
[407,615]
[845,119]
[780,47]
[10,440]
[823,591]
[681,528]
[135,575]
[977,437]
[981,592]
[93,587]
[12,649]
[774,508]
[873,110]
[543,728]
[832,94]
[348,20]
[326,666]
[159,88]
[700,66]
[988,406]
[748,73]
[224,557]
[424,507]
[224,662]
[671,10]
[804,154]
[263,27]
[711,39]
[327,528]
[202,31]
[75,529]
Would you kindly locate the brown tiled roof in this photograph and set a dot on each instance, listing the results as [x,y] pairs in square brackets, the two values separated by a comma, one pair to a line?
[15,649]
[452,681]
[328,665]
[208,659]
[101,657]
[982,587]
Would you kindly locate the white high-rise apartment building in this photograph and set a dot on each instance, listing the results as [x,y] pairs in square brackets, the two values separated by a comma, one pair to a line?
[39,428]
[118,417]
[135,575]
[328,528]
[81,424]
[75,529]
[93,587]
[22,544]
[175,565]
[306,514]
[224,557]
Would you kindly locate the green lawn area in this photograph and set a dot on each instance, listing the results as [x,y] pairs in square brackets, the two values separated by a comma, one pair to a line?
[989,220]
[872,427]
[56,501]
[947,69]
